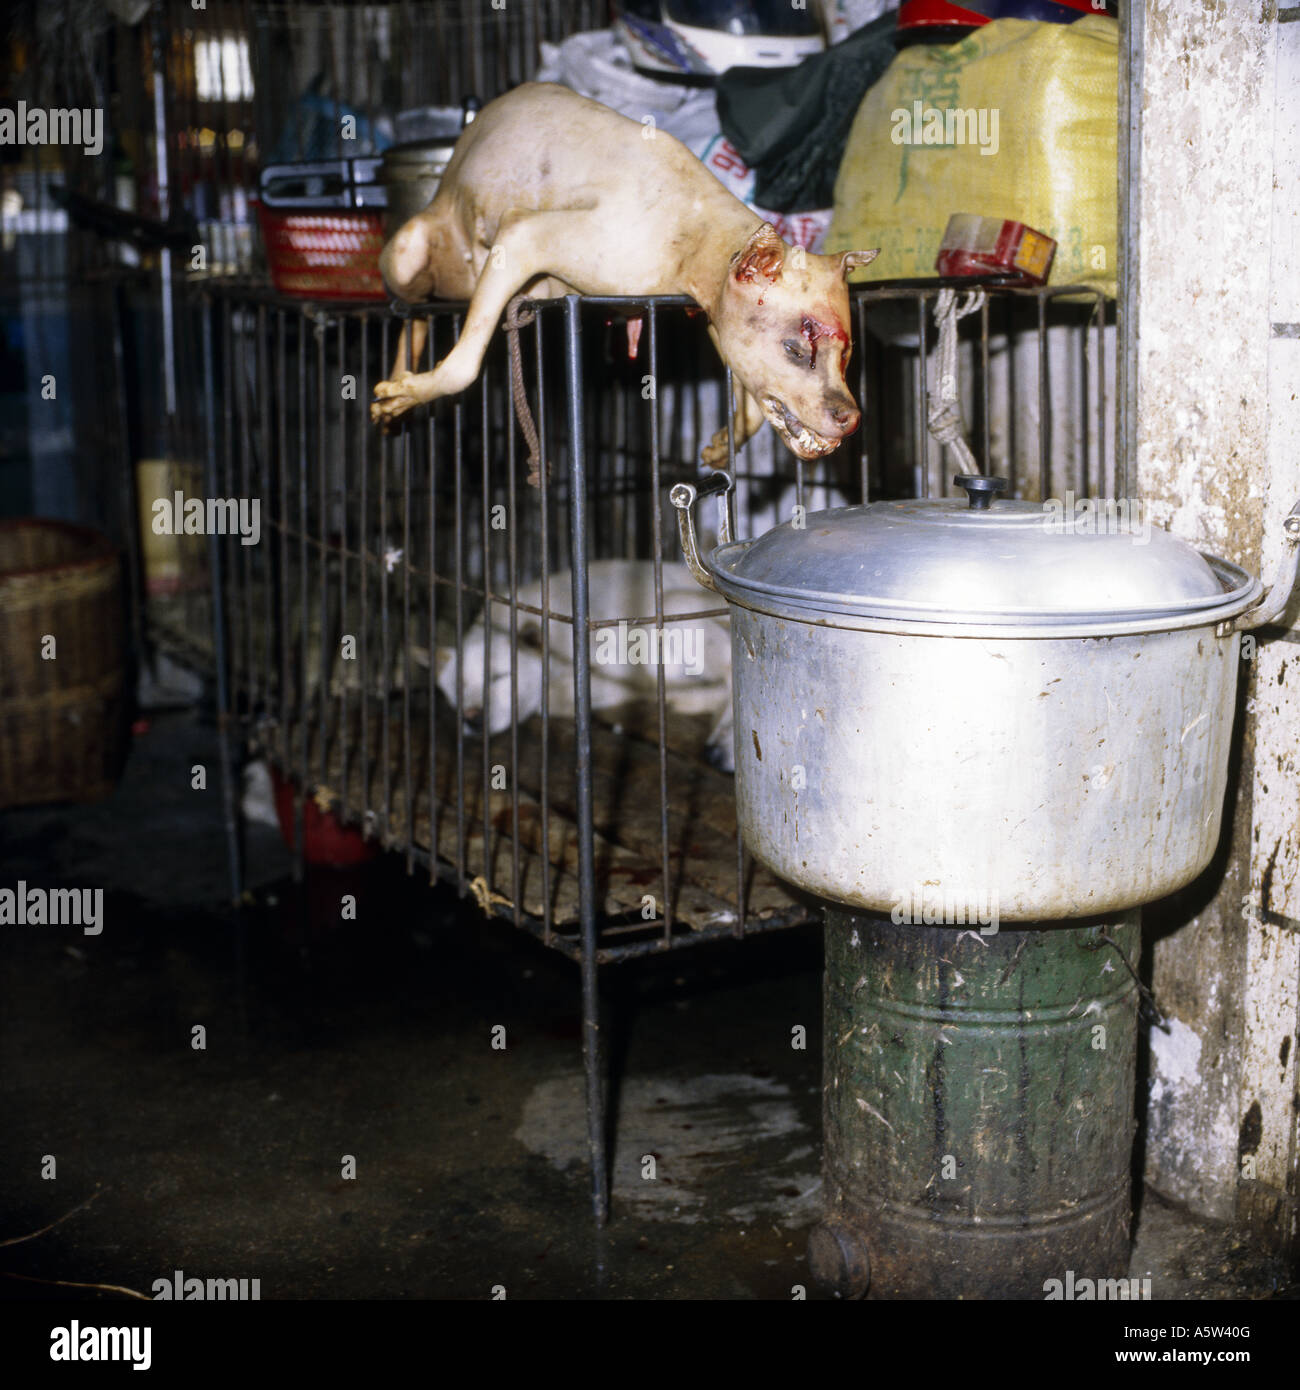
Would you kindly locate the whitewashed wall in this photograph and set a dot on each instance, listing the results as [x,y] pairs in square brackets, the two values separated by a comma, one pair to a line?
[1218,456]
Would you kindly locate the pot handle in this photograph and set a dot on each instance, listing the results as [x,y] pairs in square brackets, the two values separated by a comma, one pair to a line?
[1278,593]
[683,496]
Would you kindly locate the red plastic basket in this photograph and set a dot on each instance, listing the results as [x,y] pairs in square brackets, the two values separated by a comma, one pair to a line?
[324,255]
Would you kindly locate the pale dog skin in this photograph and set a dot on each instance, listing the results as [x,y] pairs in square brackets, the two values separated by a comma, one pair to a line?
[550,193]
[618,589]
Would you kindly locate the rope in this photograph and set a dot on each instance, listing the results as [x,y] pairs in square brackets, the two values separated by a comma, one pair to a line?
[519,314]
[485,896]
[945,401]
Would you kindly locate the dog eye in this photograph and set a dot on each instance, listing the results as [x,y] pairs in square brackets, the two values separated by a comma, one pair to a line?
[793,349]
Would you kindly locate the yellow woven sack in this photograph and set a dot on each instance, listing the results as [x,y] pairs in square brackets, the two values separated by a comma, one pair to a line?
[1042,96]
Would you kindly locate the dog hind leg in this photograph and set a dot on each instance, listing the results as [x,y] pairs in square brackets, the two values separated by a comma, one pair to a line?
[528,245]
[414,333]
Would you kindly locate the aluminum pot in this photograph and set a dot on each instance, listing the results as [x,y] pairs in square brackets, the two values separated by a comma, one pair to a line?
[968,708]
[413,169]
[411,174]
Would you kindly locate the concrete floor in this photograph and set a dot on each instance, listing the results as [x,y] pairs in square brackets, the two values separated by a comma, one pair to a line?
[373,1039]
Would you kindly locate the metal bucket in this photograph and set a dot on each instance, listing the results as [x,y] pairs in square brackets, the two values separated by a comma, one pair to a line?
[977,1107]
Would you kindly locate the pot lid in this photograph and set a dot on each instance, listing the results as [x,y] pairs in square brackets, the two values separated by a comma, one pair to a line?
[980,560]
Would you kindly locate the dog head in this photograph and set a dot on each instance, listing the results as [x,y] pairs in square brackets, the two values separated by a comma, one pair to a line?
[783,324]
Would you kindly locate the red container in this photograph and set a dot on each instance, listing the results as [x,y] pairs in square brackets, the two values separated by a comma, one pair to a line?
[326,841]
[974,245]
[324,255]
[323,227]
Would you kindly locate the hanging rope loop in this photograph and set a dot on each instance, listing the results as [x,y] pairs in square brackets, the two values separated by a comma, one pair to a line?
[944,401]
[519,314]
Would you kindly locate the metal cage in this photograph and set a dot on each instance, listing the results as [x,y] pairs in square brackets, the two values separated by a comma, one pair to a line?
[606,833]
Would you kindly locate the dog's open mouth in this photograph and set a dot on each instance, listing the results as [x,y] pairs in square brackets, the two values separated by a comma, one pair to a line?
[808,444]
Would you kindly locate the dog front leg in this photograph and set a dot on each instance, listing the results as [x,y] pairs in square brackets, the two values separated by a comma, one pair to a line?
[746,423]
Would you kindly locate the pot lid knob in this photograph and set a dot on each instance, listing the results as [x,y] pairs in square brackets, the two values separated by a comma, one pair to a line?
[979,489]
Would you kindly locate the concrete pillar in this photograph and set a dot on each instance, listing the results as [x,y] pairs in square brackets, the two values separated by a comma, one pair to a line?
[1210,407]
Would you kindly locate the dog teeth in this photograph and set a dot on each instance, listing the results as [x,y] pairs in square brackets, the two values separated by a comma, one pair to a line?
[812,443]
[804,441]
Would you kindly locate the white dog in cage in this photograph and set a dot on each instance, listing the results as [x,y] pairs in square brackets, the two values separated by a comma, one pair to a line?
[694,652]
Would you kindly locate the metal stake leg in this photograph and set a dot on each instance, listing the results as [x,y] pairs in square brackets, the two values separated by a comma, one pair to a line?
[591,1053]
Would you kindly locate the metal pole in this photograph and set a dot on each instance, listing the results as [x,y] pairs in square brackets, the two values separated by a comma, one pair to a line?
[164,213]
[130,499]
[583,771]
[219,619]
[1132,56]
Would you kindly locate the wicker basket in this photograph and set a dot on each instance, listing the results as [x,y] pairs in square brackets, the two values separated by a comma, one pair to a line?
[62,719]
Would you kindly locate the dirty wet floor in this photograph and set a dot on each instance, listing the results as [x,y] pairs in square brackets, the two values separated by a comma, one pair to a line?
[373,1039]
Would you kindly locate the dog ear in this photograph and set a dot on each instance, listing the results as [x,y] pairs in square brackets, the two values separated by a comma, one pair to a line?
[855,260]
[762,256]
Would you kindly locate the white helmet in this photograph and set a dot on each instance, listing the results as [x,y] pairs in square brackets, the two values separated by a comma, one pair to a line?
[701,38]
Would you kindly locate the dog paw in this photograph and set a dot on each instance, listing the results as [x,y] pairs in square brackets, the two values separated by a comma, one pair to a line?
[394,398]
[714,452]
